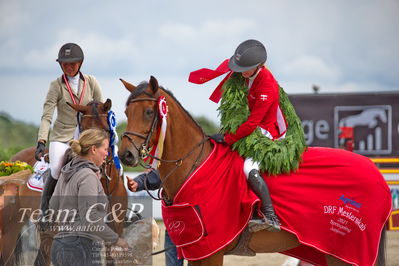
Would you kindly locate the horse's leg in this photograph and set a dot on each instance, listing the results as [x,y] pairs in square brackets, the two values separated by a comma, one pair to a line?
[268,242]
[381,258]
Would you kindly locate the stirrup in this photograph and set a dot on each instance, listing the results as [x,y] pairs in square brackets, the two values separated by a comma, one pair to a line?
[255,225]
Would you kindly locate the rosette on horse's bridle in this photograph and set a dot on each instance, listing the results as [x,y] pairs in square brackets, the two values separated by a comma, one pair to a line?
[163,112]
[113,141]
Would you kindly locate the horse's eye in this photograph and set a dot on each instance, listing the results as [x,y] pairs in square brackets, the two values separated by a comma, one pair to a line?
[149,112]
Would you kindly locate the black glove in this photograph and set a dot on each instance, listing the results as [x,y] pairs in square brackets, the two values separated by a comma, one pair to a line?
[219,138]
[39,150]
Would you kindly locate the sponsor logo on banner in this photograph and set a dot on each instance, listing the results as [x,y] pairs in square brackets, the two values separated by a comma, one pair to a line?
[372,127]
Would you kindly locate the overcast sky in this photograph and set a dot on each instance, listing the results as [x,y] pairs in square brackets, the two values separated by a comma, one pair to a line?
[340,45]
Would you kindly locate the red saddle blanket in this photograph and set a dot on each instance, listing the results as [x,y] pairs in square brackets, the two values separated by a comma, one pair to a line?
[336,203]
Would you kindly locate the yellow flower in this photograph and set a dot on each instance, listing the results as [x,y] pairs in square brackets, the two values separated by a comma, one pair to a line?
[8,168]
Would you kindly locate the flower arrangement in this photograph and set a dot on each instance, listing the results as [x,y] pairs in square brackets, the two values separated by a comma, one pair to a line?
[9,168]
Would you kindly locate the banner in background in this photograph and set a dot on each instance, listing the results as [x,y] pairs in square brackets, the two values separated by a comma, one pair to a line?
[374,118]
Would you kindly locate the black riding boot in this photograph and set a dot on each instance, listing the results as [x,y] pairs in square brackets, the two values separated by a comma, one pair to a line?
[48,190]
[270,221]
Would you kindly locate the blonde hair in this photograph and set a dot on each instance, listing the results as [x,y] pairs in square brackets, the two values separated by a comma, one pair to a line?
[87,139]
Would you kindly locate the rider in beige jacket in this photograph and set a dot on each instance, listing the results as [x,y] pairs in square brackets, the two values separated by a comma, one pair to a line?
[57,97]
[71,87]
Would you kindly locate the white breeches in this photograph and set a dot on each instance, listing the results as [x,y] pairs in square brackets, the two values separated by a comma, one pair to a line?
[249,164]
[56,154]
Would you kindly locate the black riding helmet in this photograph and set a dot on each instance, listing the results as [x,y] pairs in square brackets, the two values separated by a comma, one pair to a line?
[70,52]
[248,55]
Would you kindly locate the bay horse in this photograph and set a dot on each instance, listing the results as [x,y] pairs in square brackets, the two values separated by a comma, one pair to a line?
[185,147]
[94,115]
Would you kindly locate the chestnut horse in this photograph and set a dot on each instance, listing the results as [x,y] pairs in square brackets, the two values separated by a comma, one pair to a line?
[94,115]
[185,148]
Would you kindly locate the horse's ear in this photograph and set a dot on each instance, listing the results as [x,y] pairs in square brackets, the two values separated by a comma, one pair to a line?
[154,84]
[78,107]
[128,86]
[107,105]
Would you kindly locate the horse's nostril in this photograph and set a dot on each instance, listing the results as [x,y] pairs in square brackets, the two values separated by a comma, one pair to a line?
[128,155]
[128,158]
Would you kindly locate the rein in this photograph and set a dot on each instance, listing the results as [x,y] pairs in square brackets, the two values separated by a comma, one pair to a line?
[108,164]
[144,151]
[94,115]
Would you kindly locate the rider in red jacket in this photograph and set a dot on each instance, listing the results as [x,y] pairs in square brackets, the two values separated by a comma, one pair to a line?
[263,103]
[265,114]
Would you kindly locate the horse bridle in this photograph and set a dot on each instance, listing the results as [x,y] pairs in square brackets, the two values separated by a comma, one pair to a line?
[144,151]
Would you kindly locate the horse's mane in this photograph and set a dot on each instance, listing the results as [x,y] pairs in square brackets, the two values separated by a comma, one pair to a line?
[144,85]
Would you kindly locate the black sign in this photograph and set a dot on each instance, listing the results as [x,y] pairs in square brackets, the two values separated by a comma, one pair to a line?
[374,118]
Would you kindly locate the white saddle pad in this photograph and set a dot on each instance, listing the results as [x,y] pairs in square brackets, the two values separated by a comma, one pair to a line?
[36,181]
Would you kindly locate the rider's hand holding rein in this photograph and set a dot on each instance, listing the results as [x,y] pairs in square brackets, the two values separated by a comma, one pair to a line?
[41,147]
[219,138]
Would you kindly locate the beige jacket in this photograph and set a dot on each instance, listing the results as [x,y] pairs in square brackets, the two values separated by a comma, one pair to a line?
[57,97]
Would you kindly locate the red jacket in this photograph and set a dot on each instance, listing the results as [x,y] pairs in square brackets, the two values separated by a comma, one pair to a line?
[263,101]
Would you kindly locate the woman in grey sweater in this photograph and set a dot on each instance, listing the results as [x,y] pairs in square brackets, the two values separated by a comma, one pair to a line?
[80,205]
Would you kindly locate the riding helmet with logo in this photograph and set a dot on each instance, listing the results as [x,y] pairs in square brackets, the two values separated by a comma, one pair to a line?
[70,52]
[248,55]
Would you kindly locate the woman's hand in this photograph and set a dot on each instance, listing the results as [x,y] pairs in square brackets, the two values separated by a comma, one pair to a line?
[122,243]
[131,184]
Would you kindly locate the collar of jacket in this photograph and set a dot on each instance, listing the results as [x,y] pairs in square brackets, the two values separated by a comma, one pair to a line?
[80,76]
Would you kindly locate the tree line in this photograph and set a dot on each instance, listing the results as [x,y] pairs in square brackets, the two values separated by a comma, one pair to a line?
[17,135]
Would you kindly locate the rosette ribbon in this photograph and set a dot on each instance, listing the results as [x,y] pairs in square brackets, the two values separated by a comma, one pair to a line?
[113,141]
[163,113]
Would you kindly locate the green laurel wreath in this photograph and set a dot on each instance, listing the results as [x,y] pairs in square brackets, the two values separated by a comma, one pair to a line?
[274,157]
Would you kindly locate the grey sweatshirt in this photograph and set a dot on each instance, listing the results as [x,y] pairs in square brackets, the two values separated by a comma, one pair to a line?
[80,203]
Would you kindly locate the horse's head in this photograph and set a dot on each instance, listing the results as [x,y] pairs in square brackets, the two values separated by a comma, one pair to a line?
[94,114]
[142,120]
